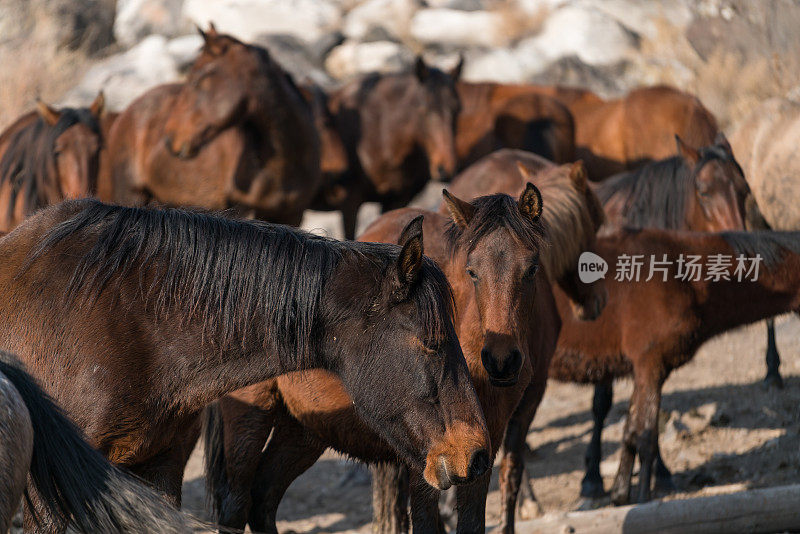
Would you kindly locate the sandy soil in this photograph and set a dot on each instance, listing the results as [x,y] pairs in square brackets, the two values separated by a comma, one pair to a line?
[722,433]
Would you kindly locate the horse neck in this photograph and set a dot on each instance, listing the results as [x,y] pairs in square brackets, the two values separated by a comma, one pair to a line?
[727,304]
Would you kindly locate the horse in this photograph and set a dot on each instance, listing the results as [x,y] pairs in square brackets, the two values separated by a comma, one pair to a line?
[399,133]
[236,134]
[771,170]
[46,156]
[490,250]
[651,327]
[697,189]
[73,480]
[495,116]
[622,134]
[573,216]
[135,319]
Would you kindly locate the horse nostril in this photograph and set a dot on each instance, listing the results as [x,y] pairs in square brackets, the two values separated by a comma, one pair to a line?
[488,362]
[479,464]
[514,362]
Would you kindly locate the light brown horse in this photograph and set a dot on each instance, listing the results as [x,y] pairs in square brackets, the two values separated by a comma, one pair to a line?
[46,156]
[236,134]
[652,327]
[490,251]
[622,134]
[399,133]
[495,116]
[766,143]
[135,319]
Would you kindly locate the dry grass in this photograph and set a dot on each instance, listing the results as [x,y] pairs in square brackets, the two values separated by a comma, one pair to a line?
[728,83]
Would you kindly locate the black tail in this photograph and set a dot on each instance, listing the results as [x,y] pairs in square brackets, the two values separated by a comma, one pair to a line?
[214,446]
[75,482]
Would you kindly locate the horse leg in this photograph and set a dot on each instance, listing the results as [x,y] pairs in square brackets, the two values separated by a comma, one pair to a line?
[290,452]
[640,436]
[513,463]
[471,504]
[664,481]
[773,378]
[425,516]
[390,487]
[245,432]
[592,484]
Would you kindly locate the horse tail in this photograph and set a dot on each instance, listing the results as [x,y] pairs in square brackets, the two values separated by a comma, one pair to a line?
[216,474]
[74,482]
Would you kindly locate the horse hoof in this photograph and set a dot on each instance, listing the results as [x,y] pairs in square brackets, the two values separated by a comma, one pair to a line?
[620,498]
[773,381]
[592,489]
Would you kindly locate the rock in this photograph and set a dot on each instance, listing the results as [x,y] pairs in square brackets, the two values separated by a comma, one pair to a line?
[308,20]
[297,59]
[458,28]
[137,19]
[644,17]
[123,77]
[463,5]
[498,65]
[352,58]
[185,49]
[85,25]
[591,35]
[392,17]
[675,429]
[608,81]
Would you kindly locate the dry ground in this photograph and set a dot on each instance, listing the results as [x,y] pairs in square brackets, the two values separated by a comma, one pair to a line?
[723,433]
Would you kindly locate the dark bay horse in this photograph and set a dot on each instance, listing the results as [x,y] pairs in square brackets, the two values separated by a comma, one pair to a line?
[698,189]
[135,319]
[622,134]
[399,133]
[651,327]
[46,156]
[495,116]
[73,481]
[490,250]
[236,134]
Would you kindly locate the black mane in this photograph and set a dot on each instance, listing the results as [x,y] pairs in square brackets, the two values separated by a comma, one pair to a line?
[770,245]
[240,278]
[655,195]
[29,163]
[493,212]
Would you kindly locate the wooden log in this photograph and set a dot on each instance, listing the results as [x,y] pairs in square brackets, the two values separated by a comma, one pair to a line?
[760,510]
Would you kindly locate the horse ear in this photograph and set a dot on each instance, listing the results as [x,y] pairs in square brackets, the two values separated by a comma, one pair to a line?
[577,173]
[210,39]
[688,153]
[421,70]
[721,141]
[409,263]
[414,227]
[48,114]
[455,74]
[461,212]
[530,202]
[98,106]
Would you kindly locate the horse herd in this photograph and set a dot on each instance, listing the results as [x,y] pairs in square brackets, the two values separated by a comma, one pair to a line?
[423,348]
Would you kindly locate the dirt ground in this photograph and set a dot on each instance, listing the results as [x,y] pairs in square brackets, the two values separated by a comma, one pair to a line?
[722,433]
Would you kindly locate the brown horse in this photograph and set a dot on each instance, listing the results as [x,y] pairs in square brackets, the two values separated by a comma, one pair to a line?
[622,134]
[47,156]
[74,482]
[490,251]
[573,214]
[203,306]
[766,143]
[651,327]
[236,134]
[399,133]
[495,116]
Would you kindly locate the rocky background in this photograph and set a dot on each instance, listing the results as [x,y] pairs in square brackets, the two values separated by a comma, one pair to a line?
[731,53]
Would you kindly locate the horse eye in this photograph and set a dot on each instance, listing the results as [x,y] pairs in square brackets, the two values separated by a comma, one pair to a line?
[472,274]
[531,271]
